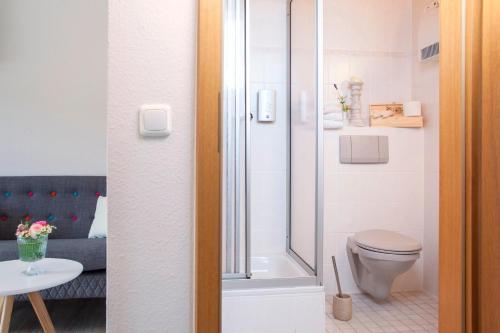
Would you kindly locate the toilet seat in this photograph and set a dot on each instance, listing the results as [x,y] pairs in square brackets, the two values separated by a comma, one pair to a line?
[386,242]
[377,257]
[367,248]
[386,255]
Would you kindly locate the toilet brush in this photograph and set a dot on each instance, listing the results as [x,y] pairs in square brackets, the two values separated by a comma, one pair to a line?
[337,275]
[342,303]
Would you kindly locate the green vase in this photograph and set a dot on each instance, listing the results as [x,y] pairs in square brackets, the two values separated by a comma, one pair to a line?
[32,250]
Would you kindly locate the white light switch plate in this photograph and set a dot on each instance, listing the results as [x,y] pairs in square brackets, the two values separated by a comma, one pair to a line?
[155,120]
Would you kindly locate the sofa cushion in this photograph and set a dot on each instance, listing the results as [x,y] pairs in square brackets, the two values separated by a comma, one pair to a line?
[91,253]
[68,202]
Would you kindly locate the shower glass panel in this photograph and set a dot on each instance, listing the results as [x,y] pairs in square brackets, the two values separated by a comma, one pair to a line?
[235,245]
[271,207]
[305,135]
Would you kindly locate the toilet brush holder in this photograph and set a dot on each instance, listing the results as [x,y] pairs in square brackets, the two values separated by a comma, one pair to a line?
[342,303]
[342,307]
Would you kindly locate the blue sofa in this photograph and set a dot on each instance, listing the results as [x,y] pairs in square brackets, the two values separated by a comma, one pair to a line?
[69,203]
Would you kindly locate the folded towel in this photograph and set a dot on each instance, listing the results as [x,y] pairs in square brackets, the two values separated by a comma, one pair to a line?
[333,116]
[332,106]
[332,124]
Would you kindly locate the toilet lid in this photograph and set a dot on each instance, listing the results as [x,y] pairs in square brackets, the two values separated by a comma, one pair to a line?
[385,240]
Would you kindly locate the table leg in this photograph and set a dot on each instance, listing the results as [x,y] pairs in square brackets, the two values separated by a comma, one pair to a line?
[1,303]
[41,312]
[7,302]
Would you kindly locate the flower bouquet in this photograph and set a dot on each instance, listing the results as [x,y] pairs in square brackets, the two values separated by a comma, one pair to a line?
[346,109]
[32,243]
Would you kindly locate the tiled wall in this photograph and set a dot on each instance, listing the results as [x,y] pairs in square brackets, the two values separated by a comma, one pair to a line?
[384,196]
[375,41]
[372,40]
[268,52]
[425,88]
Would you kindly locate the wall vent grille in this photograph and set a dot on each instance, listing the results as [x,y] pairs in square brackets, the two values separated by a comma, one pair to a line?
[429,52]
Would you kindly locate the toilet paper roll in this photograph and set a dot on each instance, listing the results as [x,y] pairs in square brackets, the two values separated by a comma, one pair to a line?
[412,109]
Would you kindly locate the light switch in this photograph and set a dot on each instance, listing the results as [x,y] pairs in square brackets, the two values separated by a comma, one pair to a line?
[155,120]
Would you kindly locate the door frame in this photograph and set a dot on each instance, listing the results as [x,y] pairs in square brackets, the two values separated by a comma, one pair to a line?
[483,163]
[452,167]
[453,161]
[208,276]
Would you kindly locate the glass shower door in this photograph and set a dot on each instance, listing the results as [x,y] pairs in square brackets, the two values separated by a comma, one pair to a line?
[234,120]
[306,135]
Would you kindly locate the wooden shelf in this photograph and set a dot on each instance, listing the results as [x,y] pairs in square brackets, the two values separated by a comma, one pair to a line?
[394,117]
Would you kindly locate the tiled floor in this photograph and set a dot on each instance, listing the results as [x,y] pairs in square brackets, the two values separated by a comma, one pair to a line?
[403,312]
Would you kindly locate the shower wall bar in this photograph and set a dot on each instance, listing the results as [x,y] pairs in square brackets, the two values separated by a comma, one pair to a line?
[317,270]
[234,138]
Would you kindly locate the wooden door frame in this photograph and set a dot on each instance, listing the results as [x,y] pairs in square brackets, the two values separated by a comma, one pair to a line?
[208,166]
[453,160]
[452,168]
[483,271]
[473,103]
[469,207]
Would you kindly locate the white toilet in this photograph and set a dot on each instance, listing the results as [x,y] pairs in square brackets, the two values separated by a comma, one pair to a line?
[377,257]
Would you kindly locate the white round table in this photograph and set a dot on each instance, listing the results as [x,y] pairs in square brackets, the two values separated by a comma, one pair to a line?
[14,282]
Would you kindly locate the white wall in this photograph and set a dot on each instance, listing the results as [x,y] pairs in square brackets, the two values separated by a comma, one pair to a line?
[268,52]
[389,196]
[53,87]
[426,89]
[152,49]
[372,40]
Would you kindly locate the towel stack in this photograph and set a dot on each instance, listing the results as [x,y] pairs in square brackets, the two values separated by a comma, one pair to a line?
[333,117]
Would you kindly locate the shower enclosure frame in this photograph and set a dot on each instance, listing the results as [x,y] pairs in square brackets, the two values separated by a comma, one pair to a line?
[235,55]
[234,104]
[318,269]
[452,131]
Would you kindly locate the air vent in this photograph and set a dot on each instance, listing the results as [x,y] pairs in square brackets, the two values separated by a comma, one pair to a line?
[430,52]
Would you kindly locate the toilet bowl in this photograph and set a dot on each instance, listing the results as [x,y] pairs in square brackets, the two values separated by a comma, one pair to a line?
[377,257]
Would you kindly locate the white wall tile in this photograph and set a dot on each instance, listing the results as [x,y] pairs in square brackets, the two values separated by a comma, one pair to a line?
[338,67]
[257,63]
[268,23]
[368,25]
[385,196]
[335,244]
[381,196]
[426,89]
[268,151]
[275,65]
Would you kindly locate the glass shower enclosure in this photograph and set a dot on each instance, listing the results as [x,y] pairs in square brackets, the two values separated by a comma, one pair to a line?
[272,174]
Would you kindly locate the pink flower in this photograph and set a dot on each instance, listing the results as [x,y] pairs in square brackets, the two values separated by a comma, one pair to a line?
[42,223]
[35,230]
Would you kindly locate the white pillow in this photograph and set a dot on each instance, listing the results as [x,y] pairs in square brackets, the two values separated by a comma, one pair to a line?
[99,228]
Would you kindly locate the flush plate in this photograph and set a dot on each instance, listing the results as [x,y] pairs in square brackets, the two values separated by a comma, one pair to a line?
[364,149]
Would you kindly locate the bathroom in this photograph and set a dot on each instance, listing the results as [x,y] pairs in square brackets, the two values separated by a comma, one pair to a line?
[290,202]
